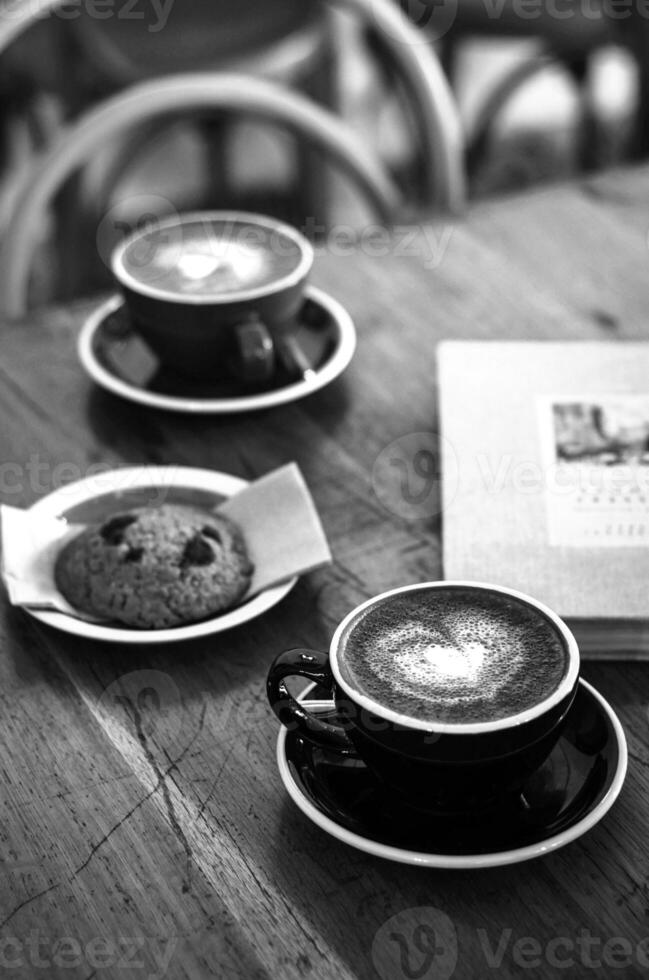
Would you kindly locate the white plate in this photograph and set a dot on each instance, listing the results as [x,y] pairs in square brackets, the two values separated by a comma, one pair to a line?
[544,845]
[344,345]
[88,499]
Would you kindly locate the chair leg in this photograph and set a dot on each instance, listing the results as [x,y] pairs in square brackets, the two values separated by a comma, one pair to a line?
[589,133]
[640,144]
[72,258]
[313,194]
[639,46]
[214,134]
[448,56]
[411,172]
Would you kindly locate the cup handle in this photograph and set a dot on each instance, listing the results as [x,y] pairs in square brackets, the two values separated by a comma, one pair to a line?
[293,357]
[315,667]
[255,351]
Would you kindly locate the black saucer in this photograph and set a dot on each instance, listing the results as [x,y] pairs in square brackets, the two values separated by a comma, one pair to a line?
[564,798]
[117,358]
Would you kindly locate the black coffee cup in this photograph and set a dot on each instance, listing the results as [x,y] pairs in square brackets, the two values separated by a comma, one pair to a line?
[215,294]
[436,765]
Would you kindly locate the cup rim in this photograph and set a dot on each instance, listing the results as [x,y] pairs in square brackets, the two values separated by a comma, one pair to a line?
[293,278]
[562,691]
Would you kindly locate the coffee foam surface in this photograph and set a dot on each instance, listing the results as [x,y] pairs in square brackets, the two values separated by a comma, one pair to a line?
[453,655]
[205,257]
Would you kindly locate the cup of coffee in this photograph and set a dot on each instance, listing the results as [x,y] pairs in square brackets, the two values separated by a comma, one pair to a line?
[452,693]
[215,293]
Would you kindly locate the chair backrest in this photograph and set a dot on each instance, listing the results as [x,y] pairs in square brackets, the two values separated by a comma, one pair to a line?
[204,91]
[440,130]
[253,36]
[440,134]
[496,100]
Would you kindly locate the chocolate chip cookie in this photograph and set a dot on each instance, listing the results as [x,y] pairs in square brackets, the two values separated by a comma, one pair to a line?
[156,567]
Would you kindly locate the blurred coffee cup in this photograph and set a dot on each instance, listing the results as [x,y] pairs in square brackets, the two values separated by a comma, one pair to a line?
[215,294]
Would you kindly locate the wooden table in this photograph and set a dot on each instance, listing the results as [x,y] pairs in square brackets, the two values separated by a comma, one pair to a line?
[173,844]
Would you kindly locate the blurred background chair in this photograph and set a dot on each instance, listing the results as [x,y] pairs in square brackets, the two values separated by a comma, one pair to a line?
[154,100]
[78,56]
[289,41]
[545,89]
[568,40]
[296,44]
[84,52]
[115,63]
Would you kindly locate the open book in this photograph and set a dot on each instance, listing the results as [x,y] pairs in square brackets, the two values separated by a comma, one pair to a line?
[545,463]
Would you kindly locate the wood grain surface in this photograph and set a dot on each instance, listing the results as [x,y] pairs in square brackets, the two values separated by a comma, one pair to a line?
[143,827]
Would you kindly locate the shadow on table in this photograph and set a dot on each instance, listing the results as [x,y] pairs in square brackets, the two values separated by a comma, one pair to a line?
[353,896]
[222,675]
[148,435]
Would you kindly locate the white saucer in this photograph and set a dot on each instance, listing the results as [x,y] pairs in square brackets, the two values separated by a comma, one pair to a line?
[93,498]
[564,799]
[333,343]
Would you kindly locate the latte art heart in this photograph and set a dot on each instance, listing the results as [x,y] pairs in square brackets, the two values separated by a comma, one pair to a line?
[211,257]
[453,655]
[432,662]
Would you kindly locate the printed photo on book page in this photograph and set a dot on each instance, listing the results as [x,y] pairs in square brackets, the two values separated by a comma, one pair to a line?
[595,452]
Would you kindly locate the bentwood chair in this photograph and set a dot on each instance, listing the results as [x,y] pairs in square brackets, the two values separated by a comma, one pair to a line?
[424,81]
[567,35]
[426,100]
[84,53]
[200,93]
[286,41]
[103,50]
